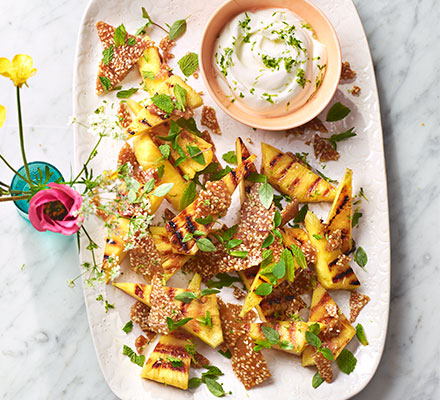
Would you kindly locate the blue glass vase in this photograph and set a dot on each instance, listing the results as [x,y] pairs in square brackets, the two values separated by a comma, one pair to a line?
[36,168]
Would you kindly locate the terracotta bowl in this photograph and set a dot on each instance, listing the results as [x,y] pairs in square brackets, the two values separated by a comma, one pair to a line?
[325,34]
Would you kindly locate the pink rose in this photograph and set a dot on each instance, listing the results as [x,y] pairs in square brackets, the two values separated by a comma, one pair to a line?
[54,209]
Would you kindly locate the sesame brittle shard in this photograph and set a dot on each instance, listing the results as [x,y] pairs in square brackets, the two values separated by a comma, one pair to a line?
[121,52]
[197,309]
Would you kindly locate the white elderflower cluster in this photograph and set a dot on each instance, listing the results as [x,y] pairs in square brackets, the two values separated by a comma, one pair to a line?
[105,121]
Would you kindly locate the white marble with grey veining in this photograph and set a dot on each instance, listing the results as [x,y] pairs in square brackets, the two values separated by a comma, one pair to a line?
[46,351]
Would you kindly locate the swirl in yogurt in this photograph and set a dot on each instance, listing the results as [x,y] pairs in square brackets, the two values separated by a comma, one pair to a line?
[270,60]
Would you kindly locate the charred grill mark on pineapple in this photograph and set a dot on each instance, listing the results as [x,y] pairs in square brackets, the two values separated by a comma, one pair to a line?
[145,122]
[313,186]
[275,159]
[286,169]
[139,291]
[340,208]
[342,275]
[294,183]
[189,224]
[325,299]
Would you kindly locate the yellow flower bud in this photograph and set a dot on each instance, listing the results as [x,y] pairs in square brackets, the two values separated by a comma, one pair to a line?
[19,70]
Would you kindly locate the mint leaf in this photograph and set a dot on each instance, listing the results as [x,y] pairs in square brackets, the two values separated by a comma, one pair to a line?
[314,328]
[204,244]
[189,63]
[224,280]
[194,383]
[268,241]
[299,256]
[346,361]
[174,325]
[177,29]
[214,387]
[119,35]
[107,55]
[239,253]
[131,41]
[125,94]
[264,289]
[313,339]
[276,219]
[196,154]
[163,189]
[361,257]
[165,150]
[204,221]
[356,217]
[279,270]
[327,353]
[105,83]
[164,102]
[189,196]
[360,334]
[337,112]
[175,362]
[317,380]
[317,237]
[301,214]
[265,193]
[270,334]
[333,139]
[180,94]
[148,75]
[149,185]
[254,177]
[134,358]
[128,327]
[226,353]
[207,292]
[230,157]
[287,258]
[186,297]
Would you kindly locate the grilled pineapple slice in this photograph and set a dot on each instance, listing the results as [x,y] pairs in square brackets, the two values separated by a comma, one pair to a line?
[321,303]
[213,335]
[169,362]
[189,166]
[330,273]
[242,153]
[146,121]
[248,276]
[148,154]
[149,65]
[195,283]
[171,262]
[114,246]
[185,222]
[294,236]
[291,332]
[291,177]
[340,215]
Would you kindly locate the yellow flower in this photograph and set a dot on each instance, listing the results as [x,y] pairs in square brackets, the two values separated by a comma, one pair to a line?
[2,115]
[19,70]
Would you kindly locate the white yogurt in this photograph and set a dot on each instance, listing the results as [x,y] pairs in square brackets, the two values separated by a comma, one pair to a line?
[270,60]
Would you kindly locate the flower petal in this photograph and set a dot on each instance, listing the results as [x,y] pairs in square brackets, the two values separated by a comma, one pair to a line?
[5,67]
[2,115]
[22,69]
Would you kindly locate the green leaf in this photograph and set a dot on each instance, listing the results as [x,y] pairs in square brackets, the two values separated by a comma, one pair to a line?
[164,102]
[107,55]
[204,221]
[148,75]
[317,380]
[361,257]
[204,244]
[230,157]
[165,150]
[268,241]
[333,139]
[160,171]
[270,334]
[299,256]
[327,353]
[337,112]
[131,41]
[346,361]
[315,328]
[186,297]
[207,292]
[105,83]
[189,63]
[265,193]
[262,344]
[146,15]
[177,29]
[264,289]
[313,339]
[163,189]
[119,35]
[256,178]
[277,219]
[214,387]
[189,196]
[317,237]
[212,372]
[287,258]
[224,280]
[233,243]
[125,94]
[206,320]
[174,325]
[194,383]
[279,269]
[226,353]
[229,233]
[220,174]
[360,334]
[301,214]
[356,217]
[134,358]
[128,327]
[149,185]
[175,362]
[180,94]
[286,345]
[196,154]
[189,125]
[239,253]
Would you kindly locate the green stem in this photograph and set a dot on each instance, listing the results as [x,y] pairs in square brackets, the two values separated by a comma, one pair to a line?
[14,171]
[91,156]
[13,198]
[20,130]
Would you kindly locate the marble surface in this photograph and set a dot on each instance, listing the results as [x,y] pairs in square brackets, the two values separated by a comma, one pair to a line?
[46,351]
